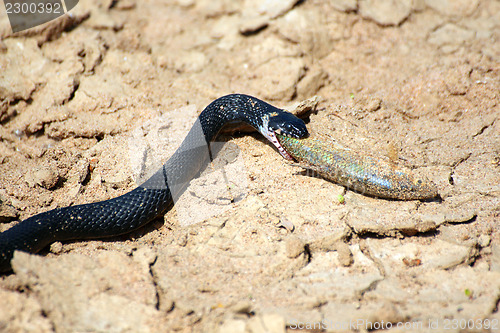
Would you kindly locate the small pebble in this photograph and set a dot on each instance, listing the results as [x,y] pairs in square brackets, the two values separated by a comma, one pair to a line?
[345,254]
[56,247]
[232,326]
[484,240]
[182,240]
[44,177]
[242,307]
[285,223]
[294,247]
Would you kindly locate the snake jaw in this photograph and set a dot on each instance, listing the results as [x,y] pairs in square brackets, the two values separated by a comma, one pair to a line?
[271,136]
[282,123]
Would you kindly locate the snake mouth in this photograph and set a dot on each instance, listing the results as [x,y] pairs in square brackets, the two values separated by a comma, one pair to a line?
[271,136]
[285,124]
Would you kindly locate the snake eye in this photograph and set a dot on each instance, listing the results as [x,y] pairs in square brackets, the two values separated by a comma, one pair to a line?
[291,129]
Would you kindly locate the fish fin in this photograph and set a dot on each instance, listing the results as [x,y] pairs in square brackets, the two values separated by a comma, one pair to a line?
[309,169]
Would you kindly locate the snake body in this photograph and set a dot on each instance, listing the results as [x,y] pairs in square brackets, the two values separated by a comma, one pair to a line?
[155,196]
[364,174]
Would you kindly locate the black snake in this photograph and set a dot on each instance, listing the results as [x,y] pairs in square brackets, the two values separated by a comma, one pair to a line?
[154,197]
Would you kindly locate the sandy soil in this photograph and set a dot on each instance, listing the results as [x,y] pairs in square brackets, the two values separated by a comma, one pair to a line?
[92,102]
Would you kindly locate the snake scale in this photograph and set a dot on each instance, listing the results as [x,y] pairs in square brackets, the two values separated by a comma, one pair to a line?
[132,210]
[154,197]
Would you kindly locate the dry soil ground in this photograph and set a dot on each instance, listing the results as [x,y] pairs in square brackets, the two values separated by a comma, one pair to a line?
[88,100]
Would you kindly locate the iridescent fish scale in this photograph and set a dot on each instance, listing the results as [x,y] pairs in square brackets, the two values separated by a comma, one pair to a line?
[361,173]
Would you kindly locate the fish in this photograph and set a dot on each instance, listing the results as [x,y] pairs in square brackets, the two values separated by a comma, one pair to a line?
[361,173]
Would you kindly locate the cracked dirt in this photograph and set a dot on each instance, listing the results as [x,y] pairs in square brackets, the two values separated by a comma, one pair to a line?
[90,103]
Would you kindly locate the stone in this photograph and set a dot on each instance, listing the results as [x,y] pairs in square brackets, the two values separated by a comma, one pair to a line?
[459,8]
[385,12]
[131,4]
[242,307]
[309,30]
[269,8]
[45,177]
[277,79]
[232,326]
[294,246]
[212,8]
[484,240]
[311,83]
[388,219]
[344,254]
[495,257]
[368,104]
[56,247]
[253,25]
[286,224]
[345,5]
[304,107]
[438,255]
[7,212]
[450,34]
[326,277]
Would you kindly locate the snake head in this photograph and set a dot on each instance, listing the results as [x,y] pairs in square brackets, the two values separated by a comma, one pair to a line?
[283,123]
